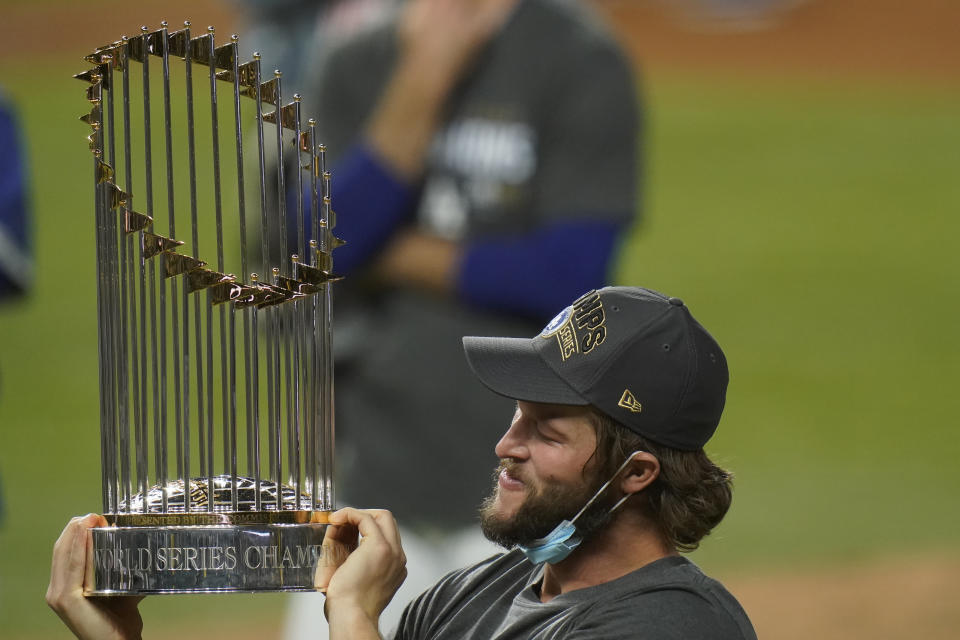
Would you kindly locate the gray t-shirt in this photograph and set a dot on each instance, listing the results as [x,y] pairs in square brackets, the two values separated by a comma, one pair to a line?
[543,129]
[669,599]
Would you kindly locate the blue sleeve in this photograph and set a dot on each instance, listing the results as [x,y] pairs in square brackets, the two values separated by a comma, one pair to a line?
[538,274]
[371,204]
[16,260]
[533,275]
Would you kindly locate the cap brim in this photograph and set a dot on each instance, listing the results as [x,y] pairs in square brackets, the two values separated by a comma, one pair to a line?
[511,367]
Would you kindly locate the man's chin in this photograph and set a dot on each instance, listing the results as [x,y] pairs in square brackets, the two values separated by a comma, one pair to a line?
[503,508]
[496,517]
[496,530]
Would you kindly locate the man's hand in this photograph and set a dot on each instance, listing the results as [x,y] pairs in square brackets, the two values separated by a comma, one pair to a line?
[104,618]
[364,584]
[416,259]
[445,35]
[438,41]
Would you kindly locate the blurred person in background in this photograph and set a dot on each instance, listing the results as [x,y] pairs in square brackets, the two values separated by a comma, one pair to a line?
[291,34]
[16,260]
[281,30]
[485,160]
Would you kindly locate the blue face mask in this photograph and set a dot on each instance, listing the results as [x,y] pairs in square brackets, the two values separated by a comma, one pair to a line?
[555,546]
[560,543]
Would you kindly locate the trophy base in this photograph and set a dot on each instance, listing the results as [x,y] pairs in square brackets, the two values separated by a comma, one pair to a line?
[183,554]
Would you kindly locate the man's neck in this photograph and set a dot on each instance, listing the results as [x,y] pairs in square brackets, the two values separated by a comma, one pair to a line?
[619,549]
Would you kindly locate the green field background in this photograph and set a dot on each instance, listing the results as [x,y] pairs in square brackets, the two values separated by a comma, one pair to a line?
[812,224]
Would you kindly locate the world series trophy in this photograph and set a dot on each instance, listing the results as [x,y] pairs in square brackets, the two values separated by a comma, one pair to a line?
[216,389]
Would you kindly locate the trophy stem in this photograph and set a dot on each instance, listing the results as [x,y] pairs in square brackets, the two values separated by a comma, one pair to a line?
[174,315]
[112,428]
[241,216]
[129,347]
[144,370]
[124,319]
[103,337]
[154,354]
[197,333]
[265,260]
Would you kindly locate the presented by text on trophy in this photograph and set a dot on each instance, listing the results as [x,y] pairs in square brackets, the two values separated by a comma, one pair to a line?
[215,389]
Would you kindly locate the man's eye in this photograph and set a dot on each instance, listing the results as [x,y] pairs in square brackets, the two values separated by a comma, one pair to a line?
[547,436]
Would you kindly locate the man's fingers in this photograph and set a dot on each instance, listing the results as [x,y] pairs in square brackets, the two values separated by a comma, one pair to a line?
[69,557]
[370,575]
[78,547]
[376,524]
[61,558]
[64,544]
[343,533]
[388,527]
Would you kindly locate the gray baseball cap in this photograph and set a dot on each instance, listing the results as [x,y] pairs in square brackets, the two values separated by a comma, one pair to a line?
[635,354]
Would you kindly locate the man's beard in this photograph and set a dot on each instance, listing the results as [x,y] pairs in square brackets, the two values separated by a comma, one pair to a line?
[543,509]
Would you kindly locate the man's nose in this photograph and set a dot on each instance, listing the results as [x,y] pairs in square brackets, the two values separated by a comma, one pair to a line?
[512,444]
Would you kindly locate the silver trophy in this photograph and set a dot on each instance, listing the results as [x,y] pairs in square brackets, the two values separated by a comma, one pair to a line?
[216,389]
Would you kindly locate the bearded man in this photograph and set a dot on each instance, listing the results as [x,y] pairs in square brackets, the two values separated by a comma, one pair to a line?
[603,481]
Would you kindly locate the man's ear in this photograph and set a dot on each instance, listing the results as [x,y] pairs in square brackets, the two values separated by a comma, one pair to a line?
[641,471]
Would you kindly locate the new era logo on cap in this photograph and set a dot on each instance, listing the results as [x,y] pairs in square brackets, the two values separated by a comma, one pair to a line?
[627,401]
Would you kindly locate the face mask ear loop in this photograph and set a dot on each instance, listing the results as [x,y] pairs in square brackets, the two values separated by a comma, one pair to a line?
[607,484]
[620,502]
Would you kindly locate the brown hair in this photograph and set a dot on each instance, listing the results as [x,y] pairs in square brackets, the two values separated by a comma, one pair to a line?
[690,496]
